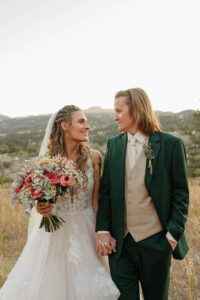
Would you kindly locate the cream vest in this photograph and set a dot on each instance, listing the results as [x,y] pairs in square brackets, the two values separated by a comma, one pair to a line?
[141,218]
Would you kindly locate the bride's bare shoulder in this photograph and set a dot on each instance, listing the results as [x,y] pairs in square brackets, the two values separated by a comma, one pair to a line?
[96,155]
[96,163]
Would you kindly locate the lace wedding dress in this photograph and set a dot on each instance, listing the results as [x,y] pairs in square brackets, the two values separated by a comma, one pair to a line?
[62,265]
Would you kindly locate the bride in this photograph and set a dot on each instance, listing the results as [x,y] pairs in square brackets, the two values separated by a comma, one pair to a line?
[63,264]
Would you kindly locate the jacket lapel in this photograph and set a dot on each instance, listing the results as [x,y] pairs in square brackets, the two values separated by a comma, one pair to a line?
[121,156]
[154,140]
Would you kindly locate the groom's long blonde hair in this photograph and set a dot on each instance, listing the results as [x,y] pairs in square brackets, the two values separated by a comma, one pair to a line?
[141,109]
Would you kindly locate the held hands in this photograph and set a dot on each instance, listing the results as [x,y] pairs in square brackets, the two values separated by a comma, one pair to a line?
[44,209]
[105,244]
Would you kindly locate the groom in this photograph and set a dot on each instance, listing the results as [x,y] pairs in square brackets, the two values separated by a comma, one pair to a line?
[143,202]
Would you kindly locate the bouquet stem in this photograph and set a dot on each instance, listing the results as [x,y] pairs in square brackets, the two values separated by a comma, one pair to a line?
[51,223]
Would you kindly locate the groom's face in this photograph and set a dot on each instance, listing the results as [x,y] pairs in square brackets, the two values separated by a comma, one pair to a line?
[124,119]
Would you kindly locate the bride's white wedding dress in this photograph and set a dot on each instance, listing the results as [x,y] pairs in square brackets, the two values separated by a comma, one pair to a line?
[62,265]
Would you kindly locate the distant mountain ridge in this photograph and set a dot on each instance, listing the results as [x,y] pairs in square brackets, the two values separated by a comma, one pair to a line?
[182,113]
[97,116]
[24,134]
[97,109]
[3,117]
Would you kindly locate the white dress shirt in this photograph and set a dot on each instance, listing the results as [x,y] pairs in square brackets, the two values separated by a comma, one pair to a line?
[139,140]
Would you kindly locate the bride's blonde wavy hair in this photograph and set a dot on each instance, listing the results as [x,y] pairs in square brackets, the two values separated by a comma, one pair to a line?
[56,141]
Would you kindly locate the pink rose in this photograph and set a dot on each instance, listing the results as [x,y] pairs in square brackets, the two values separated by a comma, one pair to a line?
[52,177]
[65,180]
[35,194]
[55,181]
[28,180]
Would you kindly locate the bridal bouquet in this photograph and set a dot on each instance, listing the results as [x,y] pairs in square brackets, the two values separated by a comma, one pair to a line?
[44,180]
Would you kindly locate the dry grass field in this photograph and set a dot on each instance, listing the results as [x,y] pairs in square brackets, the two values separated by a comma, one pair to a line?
[185,275]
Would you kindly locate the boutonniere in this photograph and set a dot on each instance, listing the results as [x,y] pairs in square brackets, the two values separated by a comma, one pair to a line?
[149,154]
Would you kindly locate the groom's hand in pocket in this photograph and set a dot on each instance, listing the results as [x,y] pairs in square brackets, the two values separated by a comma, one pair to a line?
[44,208]
[172,244]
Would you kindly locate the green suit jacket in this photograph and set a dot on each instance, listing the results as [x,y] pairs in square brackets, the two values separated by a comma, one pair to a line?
[167,186]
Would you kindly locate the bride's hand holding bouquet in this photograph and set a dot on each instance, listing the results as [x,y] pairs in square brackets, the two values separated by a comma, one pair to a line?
[42,181]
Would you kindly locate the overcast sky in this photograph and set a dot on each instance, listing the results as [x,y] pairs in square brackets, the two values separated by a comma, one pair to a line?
[58,52]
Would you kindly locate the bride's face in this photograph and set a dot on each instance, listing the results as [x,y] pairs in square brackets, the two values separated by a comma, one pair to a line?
[78,129]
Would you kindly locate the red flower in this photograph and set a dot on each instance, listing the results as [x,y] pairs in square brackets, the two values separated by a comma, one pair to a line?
[65,180]
[27,170]
[52,177]
[18,189]
[28,180]
[35,194]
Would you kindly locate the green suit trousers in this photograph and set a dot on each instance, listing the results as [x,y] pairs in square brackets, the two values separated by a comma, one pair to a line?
[147,261]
